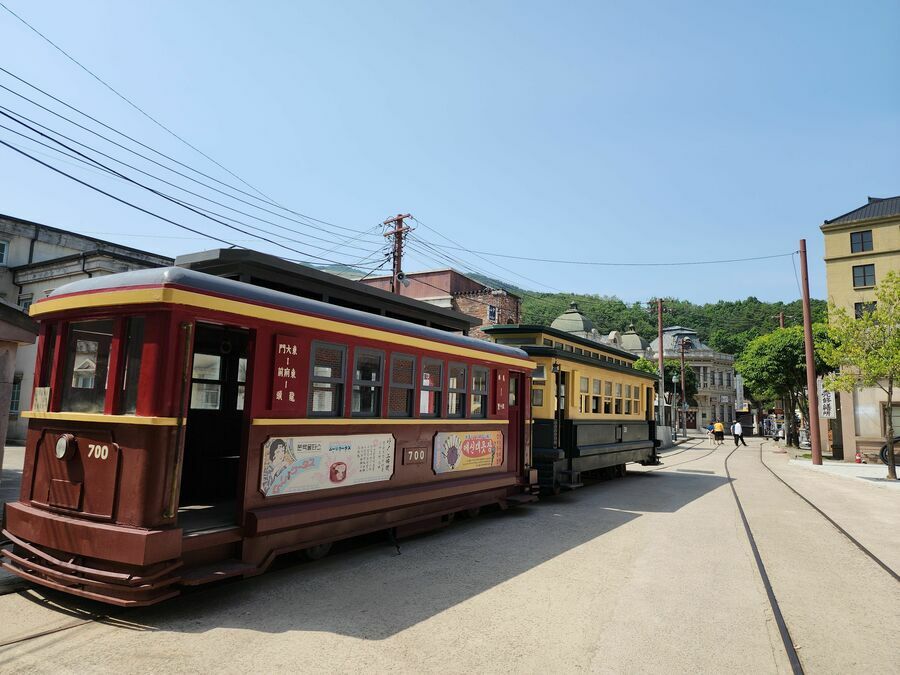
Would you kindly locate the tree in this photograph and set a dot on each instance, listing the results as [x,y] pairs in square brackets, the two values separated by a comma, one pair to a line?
[867,351]
[774,367]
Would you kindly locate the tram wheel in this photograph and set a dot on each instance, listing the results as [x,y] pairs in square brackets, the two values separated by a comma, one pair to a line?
[317,552]
[473,512]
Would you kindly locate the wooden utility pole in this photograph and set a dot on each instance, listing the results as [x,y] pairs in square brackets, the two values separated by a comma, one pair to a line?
[781,319]
[662,369]
[812,393]
[399,229]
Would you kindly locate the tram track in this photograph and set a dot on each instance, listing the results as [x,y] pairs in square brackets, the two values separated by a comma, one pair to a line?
[687,461]
[840,529]
[783,631]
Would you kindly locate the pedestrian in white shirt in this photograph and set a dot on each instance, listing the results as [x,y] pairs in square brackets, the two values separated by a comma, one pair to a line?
[738,432]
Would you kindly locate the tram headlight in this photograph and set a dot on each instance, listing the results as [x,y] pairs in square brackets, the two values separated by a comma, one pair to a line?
[65,446]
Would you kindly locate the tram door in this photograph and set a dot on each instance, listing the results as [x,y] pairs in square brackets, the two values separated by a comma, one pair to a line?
[215,428]
[514,429]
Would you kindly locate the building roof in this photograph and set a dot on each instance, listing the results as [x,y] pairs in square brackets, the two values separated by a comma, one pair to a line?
[632,341]
[876,207]
[671,342]
[593,345]
[209,284]
[268,271]
[572,321]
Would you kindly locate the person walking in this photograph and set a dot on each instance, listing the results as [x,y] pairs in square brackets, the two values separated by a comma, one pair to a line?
[738,432]
[719,430]
[709,434]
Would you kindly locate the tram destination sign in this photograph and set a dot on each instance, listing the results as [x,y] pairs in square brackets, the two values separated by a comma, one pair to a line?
[286,373]
[306,463]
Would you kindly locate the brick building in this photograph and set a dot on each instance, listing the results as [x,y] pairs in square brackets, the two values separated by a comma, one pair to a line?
[454,290]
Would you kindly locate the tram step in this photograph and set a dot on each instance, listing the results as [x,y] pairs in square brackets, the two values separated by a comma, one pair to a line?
[571,486]
[224,569]
[521,498]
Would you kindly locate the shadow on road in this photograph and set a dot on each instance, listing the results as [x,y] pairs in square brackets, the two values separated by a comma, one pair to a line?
[370,592]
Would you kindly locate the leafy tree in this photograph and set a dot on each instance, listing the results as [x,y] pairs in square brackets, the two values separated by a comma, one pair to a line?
[774,367]
[867,351]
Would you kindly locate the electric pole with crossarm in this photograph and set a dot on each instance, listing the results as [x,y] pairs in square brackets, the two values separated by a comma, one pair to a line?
[398,232]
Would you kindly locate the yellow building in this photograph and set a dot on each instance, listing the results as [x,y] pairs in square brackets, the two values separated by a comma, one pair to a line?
[861,247]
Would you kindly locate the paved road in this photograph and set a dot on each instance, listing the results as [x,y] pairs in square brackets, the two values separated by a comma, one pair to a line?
[650,573]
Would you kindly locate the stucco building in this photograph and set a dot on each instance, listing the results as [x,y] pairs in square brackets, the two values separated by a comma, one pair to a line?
[454,290]
[715,375]
[35,259]
[861,247]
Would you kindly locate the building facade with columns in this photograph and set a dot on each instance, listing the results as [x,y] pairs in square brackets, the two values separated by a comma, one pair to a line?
[716,391]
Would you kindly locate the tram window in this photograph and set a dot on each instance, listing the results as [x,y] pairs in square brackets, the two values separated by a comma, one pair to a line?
[368,374]
[403,386]
[636,403]
[432,381]
[618,408]
[206,385]
[49,351]
[480,392]
[134,347]
[596,398]
[242,381]
[579,350]
[85,378]
[539,373]
[537,397]
[607,398]
[548,342]
[584,391]
[327,386]
[456,390]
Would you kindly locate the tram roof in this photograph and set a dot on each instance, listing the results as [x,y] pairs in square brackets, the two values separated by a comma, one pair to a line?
[179,277]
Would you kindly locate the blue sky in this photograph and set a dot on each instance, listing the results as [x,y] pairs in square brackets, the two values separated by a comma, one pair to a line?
[598,131]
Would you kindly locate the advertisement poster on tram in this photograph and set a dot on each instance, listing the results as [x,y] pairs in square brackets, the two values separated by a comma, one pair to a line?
[305,463]
[467,450]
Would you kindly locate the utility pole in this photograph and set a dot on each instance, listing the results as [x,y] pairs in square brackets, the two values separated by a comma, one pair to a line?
[399,229]
[781,319]
[662,369]
[812,394]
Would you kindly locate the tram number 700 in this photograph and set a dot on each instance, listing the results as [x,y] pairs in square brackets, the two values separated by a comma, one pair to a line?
[98,451]
[414,455]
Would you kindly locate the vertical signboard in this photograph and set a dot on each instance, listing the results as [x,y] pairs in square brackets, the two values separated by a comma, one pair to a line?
[286,373]
[827,408]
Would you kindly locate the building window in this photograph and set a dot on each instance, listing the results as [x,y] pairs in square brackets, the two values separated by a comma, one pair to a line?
[618,409]
[403,386]
[16,395]
[607,397]
[365,399]
[432,383]
[863,275]
[326,391]
[728,379]
[24,301]
[479,393]
[539,373]
[537,397]
[456,390]
[861,241]
[860,308]
[4,251]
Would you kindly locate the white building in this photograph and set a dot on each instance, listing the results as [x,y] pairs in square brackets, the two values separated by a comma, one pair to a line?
[35,259]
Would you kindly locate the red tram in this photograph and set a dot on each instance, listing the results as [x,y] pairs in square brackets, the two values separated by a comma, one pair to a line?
[188,428]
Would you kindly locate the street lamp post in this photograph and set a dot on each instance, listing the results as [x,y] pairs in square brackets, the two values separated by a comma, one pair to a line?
[675,408]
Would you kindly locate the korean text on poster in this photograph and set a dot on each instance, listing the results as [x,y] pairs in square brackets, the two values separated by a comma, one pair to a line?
[286,375]
[305,463]
[466,450]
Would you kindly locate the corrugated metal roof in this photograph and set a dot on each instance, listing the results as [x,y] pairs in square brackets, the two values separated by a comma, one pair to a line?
[876,208]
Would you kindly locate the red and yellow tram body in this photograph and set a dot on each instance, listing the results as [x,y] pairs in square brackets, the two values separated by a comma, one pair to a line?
[187,428]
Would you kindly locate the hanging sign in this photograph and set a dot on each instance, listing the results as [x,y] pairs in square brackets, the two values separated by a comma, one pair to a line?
[306,463]
[827,405]
[466,450]
[286,373]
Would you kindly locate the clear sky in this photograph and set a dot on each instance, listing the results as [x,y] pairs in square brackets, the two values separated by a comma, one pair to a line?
[596,131]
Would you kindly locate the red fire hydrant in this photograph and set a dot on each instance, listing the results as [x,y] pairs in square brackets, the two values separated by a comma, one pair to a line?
[858,458]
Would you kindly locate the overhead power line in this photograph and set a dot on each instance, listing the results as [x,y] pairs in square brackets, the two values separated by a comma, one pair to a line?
[134,105]
[164,155]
